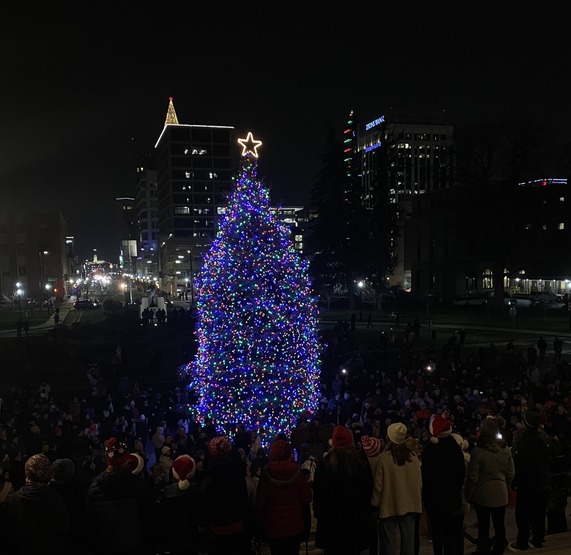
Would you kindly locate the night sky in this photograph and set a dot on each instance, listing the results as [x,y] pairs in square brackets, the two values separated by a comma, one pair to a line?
[85,90]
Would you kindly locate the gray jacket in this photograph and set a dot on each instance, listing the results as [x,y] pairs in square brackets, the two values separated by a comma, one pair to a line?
[489,476]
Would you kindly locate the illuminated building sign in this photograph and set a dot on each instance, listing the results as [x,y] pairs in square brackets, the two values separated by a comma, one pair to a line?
[374,123]
[374,146]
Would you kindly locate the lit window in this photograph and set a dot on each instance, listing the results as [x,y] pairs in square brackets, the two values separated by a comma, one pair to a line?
[544,227]
[561,225]
[527,226]
[561,199]
[188,174]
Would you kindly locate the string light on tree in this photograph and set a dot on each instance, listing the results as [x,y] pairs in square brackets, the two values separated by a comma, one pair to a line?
[258,357]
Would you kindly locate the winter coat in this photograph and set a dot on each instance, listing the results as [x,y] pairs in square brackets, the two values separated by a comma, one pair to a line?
[40,520]
[490,474]
[532,461]
[179,511]
[283,500]
[116,504]
[443,473]
[342,501]
[397,489]
[225,495]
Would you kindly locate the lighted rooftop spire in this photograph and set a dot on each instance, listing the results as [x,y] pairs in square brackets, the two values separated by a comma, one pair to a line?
[171,114]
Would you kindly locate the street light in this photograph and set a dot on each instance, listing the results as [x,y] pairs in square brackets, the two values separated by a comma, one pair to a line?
[19,294]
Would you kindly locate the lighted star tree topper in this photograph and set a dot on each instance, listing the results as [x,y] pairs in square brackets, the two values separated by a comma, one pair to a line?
[258,357]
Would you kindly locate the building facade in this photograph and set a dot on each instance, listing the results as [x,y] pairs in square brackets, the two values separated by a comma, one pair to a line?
[450,257]
[33,255]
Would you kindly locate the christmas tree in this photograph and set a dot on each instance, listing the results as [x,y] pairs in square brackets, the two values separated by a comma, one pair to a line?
[258,357]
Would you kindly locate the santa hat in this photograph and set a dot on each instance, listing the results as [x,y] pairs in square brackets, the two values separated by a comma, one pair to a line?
[280,451]
[219,446]
[183,469]
[342,437]
[134,464]
[439,427]
[116,452]
[371,445]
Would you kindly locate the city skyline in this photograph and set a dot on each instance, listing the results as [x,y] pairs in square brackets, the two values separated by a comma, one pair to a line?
[86,93]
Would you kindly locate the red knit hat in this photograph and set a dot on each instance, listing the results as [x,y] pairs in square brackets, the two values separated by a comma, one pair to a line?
[116,452]
[280,451]
[439,427]
[342,437]
[183,469]
[371,445]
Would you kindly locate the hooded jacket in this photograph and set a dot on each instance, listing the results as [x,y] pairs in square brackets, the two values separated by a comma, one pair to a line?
[489,476]
[283,499]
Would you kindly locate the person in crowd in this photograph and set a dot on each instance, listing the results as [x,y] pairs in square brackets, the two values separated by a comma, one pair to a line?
[158,439]
[282,504]
[38,517]
[180,506]
[73,493]
[116,505]
[372,447]
[397,491]
[342,490]
[443,475]
[532,482]
[488,482]
[258,463]
[225,509]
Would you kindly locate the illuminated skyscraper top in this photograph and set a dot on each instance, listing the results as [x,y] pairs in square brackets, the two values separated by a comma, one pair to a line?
[171,114]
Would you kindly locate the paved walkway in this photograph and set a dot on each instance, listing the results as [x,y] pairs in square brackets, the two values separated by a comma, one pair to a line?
[557,544]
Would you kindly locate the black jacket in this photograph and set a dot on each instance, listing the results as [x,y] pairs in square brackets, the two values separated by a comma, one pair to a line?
[532,461]
[443,474]
[40,519]
[117,503]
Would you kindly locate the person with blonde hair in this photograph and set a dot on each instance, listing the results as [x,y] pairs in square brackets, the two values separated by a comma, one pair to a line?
[397,491]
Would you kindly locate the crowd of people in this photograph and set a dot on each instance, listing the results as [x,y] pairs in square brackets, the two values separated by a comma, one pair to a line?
[407,438]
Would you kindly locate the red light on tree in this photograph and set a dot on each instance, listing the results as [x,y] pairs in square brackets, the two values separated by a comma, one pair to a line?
[544,183]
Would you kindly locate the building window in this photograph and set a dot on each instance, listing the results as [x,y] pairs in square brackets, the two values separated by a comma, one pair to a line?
[561,225]
[561,199]
[544,227]
[181,210]
[21,227]
[527,226]
[487,279]
[22,271]
[21,249]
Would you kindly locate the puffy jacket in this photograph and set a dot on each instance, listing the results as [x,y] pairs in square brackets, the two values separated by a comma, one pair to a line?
[489,477]
[283,500]
[116,503]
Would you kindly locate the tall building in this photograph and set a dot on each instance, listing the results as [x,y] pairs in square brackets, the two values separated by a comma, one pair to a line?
[196,165]
[420,158]
[127,229]
[147,218]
